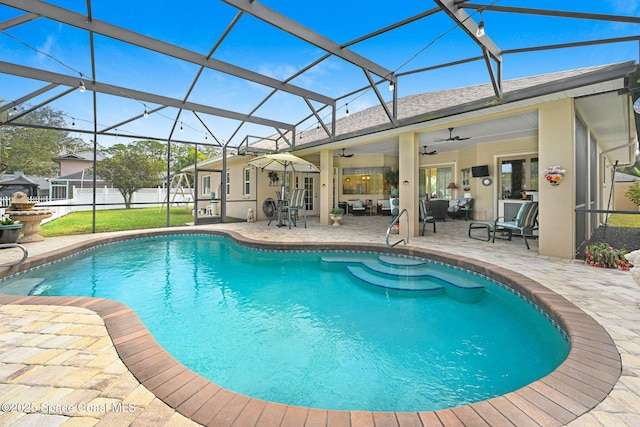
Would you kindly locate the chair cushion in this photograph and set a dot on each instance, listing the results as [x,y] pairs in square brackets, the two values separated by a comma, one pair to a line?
[357,204]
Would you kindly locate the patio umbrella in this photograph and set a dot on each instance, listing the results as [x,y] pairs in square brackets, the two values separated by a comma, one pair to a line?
[282,162]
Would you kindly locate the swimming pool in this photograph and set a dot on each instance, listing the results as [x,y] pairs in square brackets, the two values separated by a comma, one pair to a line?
[331,320]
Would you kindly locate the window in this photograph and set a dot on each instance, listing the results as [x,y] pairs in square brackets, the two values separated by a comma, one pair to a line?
[434,182]
[228,183]
[518,175]
[247,181]
[364,181]
[206,185]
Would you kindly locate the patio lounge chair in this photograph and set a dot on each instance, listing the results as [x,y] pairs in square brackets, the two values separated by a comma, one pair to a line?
[296,204]
[355,207]
[426,216]
[525,222]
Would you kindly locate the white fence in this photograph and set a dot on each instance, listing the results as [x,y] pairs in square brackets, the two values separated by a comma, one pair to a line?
[83,200]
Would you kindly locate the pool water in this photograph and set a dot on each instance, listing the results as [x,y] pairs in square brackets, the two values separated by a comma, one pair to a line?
[288,328]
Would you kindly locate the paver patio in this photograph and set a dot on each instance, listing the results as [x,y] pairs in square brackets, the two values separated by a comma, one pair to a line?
[63,355]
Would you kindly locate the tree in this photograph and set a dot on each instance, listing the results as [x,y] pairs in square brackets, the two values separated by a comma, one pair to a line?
[32,150]
[129,169]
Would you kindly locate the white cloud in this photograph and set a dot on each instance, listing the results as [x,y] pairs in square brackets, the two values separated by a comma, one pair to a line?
[46,48]
[626,7]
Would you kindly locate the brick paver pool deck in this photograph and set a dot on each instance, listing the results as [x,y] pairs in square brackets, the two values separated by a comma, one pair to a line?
[82,361]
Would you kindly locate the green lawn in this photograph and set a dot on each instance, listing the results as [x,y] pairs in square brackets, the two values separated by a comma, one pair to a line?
[622,220]
[114,220]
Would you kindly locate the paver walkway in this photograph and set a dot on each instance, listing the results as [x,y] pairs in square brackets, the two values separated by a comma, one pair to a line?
[59,367]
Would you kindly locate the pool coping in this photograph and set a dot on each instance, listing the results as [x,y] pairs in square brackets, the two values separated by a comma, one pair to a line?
[580,383]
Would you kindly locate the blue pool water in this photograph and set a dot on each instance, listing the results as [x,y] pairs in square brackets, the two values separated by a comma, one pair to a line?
[287,327]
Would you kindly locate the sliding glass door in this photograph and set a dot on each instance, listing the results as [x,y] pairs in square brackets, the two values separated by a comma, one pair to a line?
[434,182]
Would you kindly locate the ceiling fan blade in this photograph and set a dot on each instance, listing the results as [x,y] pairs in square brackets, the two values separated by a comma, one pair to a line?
[457,138]
[344,155]
[427,153]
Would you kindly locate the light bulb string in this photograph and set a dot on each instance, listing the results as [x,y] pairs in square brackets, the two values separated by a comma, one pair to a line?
[361,94]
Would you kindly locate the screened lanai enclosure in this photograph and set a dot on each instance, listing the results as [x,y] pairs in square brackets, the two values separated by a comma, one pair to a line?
[237,77]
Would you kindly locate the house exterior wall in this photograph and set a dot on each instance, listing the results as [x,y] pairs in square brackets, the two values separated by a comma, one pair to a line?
[620,201]
[556,210]
[68,167]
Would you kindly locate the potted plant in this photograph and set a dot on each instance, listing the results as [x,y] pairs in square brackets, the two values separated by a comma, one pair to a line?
[336,215]
[605,256]
[392,178]
[9,230]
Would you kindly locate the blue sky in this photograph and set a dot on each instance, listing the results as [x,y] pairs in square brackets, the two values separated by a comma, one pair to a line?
[254,45]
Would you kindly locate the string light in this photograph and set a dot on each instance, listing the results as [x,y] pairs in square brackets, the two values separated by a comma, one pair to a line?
[81,86]
[73,122]
[392,87]
[181,130]
[347,112]
[146,113]
[480,30]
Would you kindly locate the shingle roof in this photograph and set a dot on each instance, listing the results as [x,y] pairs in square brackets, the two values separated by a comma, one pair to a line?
[414,106]
[80,156]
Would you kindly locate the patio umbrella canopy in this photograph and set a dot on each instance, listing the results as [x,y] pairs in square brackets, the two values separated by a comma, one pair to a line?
[282,162]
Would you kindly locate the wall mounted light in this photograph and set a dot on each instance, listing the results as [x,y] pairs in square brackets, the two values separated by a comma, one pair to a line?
[405,182]
[452,186]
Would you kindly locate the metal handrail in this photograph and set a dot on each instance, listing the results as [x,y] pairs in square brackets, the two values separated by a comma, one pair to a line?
[15,245]
[393,221]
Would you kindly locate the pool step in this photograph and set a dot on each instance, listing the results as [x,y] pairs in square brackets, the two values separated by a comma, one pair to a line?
[408,276]
[429,287]
[400,261]
[22,286]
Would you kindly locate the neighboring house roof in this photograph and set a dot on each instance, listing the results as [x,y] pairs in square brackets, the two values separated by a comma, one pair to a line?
[83,156]
[78,176]
[20,180]
[625,177]
[20,177]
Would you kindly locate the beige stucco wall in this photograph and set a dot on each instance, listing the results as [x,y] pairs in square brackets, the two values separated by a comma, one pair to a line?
[68,167]
[556,142]
[621,201]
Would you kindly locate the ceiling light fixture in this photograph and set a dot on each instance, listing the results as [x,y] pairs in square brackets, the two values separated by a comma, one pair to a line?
[480,30]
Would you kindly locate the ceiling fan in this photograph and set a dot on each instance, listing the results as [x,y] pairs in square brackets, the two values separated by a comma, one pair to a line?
[428,153]
[452,138]
[344,155]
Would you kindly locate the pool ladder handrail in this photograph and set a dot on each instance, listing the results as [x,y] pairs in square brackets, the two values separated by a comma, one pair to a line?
[25,253]
[393,222]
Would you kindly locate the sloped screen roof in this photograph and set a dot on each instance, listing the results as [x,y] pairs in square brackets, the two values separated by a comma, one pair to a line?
[227,72]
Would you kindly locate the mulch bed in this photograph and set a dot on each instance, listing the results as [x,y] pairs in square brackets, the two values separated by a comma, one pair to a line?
[617,237]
